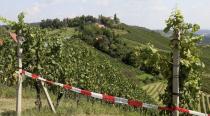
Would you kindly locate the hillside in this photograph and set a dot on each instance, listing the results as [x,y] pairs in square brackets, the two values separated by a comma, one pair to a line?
[87,68]
[143,35]
[204,54]
[109,58]
[138,36]
[99,56]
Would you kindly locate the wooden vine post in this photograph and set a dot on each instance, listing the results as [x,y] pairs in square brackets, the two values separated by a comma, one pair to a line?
[19,86]
[176,67]
[48,97]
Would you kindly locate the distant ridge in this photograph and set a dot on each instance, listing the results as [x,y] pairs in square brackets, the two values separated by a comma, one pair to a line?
[204,32]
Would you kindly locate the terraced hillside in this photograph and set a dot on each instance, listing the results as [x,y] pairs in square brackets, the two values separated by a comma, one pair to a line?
[155,89]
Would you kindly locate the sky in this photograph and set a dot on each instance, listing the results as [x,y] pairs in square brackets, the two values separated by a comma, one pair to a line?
[145,13]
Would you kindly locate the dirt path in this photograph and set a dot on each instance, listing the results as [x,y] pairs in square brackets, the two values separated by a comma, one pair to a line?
[9,104]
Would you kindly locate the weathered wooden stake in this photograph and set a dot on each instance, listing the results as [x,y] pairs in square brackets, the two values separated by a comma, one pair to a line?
[203,102]
[48,97]
[208,96]
[176,63]
[199,104]
[19,86]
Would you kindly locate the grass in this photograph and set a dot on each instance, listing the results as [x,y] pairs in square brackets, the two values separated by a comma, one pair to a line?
[120,32]
[10,92]
[68,106]
[143,36]
[64,32]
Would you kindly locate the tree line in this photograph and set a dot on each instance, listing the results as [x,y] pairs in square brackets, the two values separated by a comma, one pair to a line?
[79,21]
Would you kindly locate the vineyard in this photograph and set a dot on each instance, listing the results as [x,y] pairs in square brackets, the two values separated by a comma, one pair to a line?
[154,89]
[157,88]
[113,62]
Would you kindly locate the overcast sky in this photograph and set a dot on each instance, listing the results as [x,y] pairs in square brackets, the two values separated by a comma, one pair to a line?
[146,13]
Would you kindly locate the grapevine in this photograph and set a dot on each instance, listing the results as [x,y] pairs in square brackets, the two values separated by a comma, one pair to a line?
[190,65]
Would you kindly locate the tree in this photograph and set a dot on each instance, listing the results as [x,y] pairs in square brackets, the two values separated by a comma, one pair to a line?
[57,23]
[146,58]
[116,19]
[190,64]
[107,21]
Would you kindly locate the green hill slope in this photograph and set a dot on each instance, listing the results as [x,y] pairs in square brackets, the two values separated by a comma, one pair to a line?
[89,68]
[99,56]
[138,35]
[143,36]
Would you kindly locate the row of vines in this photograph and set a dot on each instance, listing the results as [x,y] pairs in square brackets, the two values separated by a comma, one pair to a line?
[65,60]
[70,60]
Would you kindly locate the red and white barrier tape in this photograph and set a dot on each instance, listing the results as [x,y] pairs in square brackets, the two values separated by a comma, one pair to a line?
[113,99]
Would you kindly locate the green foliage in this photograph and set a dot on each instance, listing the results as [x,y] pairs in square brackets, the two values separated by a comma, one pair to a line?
[67,22]
[190,64]
[32,49]
[103,39]
[145,58]
[89,74]
[68,60]
[107,21]
[8,22]
[80,21]
[116,19]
